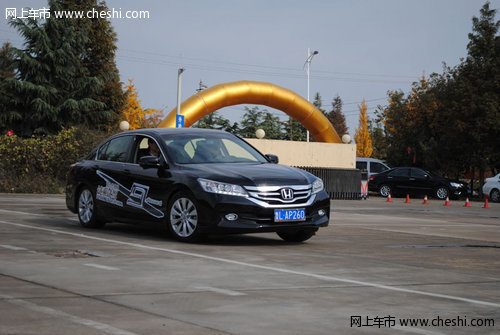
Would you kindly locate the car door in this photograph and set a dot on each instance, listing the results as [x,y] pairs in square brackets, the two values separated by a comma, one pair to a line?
[399,179]
[111,194]
[150,187]
[420,181]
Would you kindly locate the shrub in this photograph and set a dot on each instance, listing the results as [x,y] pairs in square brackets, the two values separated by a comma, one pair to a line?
[39,164]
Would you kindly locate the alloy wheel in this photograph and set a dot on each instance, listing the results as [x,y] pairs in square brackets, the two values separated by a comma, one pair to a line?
[183,217]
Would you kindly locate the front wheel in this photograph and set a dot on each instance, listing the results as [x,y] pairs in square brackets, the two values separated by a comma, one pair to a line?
[495,195]
[297,236]
[183,218]
[442,192]
[87,209]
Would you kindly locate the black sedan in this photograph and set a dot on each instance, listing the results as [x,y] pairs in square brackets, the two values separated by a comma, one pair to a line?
[411,180]
[196,181]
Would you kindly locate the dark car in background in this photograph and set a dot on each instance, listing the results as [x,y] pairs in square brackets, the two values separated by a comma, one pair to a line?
[412,180]
[203,181]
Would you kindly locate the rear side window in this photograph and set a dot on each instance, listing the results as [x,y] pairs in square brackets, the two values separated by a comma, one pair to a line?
[361,166]
[377,167]
[417,173]
[399,173]
[116,150]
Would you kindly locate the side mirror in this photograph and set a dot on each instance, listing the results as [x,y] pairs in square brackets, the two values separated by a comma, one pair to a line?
[272,158]
[149,162]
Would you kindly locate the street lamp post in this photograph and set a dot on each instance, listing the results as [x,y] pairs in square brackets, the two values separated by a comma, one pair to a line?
[179,84]
[308,63]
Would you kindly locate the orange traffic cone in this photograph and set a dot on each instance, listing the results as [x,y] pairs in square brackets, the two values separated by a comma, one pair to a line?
[447,202]
[407,201]
[467,202]
[426,202]
[389,199]
[486,205]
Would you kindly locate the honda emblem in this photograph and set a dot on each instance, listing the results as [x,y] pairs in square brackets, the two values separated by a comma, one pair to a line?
[286,193]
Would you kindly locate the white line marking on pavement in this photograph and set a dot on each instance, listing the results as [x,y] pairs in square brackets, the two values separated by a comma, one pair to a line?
[12,247]
[219,290]
[24,213]
[102,267]
[59,314]
[263,267]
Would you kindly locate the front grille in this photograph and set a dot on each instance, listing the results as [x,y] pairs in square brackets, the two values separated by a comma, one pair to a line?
[280,196]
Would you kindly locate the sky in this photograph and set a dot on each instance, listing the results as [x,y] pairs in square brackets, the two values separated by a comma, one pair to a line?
[366,47]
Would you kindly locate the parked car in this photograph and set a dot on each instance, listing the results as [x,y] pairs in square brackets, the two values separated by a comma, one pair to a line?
[371,166]
[491,188]
[196,181]
[411,180]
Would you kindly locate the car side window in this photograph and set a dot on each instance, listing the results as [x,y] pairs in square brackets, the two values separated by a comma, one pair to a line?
[116,150]
[377,167]
[417,173]
[399,173]
[361,166]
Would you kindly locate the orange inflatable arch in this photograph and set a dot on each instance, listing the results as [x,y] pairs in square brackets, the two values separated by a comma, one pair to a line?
[258,93]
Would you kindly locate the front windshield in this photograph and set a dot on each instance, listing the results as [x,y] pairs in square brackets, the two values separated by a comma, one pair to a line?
[210,148]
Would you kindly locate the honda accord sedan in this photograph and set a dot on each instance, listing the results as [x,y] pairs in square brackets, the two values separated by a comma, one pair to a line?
[403,180]
[196,182]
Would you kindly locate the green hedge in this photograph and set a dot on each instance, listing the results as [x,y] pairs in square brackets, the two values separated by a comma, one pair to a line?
[40,164]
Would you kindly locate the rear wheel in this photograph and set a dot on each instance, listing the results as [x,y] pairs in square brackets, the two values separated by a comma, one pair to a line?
[297,236]
[87,213]
[183,219]
[495,195]
[442,192]
[385,190]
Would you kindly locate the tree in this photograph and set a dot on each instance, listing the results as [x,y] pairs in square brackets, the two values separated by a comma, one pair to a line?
[251,121]
[362,136]
[99,55]
[7,68]
[216,121]
[337,118]
[52,88]
[134,114]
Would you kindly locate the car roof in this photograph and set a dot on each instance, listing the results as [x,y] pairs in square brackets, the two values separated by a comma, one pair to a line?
[163,131]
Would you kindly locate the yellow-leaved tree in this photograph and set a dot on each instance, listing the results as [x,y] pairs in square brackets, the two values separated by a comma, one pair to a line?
[362,137]
[135,115]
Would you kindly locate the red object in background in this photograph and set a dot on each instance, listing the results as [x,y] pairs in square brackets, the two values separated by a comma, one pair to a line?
[10,133]
[409,150]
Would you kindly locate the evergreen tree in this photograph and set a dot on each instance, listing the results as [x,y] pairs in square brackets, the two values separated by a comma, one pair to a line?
[216,121]
[52,88]
[362,136]
[336,117]
[7,70]
[251,121]
[99,55]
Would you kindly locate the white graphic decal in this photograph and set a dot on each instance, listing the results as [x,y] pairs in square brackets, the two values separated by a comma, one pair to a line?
[137,196]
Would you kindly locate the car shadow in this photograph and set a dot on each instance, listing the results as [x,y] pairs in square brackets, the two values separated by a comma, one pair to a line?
[157,233]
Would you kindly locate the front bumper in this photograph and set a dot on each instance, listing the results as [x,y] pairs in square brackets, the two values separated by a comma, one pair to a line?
[254,218]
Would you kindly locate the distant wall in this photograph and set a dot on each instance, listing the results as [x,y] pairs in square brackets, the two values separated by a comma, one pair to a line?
[312,154]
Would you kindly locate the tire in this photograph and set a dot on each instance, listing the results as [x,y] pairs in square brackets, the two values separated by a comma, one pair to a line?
[297,236]
[384,190]
[183,218]
[87,213]
[495,195]
[442,192]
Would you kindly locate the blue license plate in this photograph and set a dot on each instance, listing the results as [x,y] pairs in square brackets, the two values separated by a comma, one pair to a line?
[287,215]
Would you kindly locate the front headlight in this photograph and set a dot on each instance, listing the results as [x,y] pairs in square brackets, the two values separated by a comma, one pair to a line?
[456,185]
[317,186]
[211,186]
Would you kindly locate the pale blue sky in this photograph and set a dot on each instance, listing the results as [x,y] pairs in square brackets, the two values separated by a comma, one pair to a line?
[366,47]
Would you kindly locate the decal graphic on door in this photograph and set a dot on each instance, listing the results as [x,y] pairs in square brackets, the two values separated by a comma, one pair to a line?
[137,196]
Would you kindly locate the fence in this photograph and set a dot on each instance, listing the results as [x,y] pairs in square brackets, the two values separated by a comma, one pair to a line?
[339,183]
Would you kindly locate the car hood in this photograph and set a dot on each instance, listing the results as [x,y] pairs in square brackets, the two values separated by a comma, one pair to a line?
[251,174]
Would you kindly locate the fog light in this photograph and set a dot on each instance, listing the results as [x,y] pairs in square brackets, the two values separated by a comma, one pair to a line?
[231,217]
[321,212]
